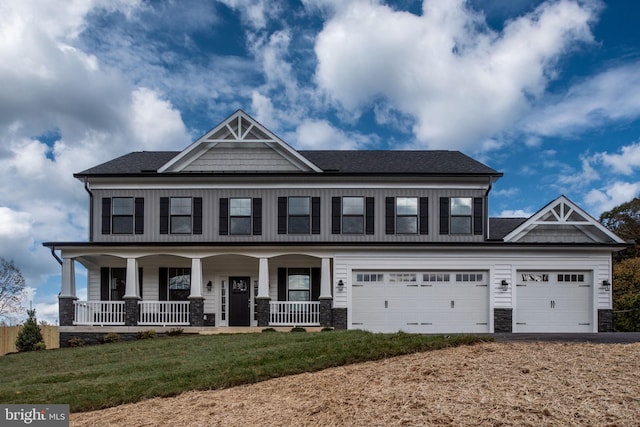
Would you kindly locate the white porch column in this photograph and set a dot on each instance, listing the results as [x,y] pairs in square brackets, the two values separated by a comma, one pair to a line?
[263,278]
[68,286]
[196,278]
[131,290]
[325,278]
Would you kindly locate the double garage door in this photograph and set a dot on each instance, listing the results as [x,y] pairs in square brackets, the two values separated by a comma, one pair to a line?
[421,302]
[554,302]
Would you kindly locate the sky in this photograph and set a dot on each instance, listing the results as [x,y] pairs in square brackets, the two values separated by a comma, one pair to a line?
[547,92]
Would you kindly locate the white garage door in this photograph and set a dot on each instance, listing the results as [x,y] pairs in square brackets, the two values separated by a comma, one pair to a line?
[421,302]
[554,302]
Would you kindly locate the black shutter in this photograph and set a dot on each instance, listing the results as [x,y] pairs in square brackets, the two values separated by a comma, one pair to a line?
[315,284]
[444,215]
[257,216]
[282,284]
[477,215]
[106,215]
[336,203]
[369,225]
[315,215]
[390,215]
[140,282]
[164,215]
[162,283]
[282,215]
[223,223]
[139,215]
[424,215]
[197,215]
[104,283]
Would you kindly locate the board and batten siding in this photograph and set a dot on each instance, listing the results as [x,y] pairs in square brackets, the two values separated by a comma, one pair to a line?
[211,213]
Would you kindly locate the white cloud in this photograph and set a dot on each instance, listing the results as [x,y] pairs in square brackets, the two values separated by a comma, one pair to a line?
[461,82]
[625,161]
[515,213]
[254,12]
[613,95]
[14,225]
[321,135]
[606,198]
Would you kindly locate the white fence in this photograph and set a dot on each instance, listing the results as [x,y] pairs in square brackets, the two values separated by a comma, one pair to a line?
[290,313]
[161,313]
[99,313]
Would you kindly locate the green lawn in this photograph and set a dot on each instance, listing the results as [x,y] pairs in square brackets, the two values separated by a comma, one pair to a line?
[107,375]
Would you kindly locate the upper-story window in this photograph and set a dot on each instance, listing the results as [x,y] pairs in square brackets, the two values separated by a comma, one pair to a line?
[122,215]
[181,215]
[461,215]
[407,215]
[352,215]
[240,216]
[298,215]
[180,211]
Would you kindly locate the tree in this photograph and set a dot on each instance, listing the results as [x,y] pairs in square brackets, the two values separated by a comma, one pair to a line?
[626,295]
[624,220]
[12,288]
[30,337]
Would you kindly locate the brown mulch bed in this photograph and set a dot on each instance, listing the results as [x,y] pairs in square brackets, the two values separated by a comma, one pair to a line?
[490,384]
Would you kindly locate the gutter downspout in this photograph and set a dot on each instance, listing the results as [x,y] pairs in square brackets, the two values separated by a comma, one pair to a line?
[86,187]
[53,252]
[486,207]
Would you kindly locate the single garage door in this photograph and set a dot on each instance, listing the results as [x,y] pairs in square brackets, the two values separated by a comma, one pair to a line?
[421,302]
[554,302]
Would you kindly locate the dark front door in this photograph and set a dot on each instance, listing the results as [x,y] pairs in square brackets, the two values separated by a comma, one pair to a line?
[239,313]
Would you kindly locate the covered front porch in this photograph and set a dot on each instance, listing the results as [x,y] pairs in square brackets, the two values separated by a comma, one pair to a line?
[198,290]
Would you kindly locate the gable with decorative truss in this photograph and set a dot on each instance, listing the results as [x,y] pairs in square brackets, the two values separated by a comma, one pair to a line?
[562,221]
[239,144]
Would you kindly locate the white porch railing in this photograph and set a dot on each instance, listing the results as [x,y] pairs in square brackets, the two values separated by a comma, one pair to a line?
[161,313]
[292,313]
[99,313]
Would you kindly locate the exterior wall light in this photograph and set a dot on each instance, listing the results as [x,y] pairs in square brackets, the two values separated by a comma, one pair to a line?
[340,284]
[504,285]
[606,285]
[209,286]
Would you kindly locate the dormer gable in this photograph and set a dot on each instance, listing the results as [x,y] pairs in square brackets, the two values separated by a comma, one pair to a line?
[239,144]
[562,221]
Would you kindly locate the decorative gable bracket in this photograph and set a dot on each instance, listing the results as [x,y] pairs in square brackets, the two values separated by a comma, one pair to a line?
[563,212]
[239,144]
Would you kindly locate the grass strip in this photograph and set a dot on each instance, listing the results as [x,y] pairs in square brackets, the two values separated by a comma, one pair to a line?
[95,377]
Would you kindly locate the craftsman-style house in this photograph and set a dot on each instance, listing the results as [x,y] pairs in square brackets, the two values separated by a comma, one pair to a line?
[240,229]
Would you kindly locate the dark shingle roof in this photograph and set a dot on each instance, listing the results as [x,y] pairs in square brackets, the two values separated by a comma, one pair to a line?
[347,162]
[386,161]
[500,227]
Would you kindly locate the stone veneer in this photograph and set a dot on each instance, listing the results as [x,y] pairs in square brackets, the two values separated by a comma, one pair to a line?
[339,318]
[605,320]
[326,316]
[502,320]
[262,311]
[196,311]
[66,310]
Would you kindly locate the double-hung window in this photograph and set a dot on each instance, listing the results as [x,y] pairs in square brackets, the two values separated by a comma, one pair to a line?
[298,215]
[240,216]
[406,215]
[299,284]
[181,215]
[122,215]
[461,213]
[352,215]
[180,211]
[174,284]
